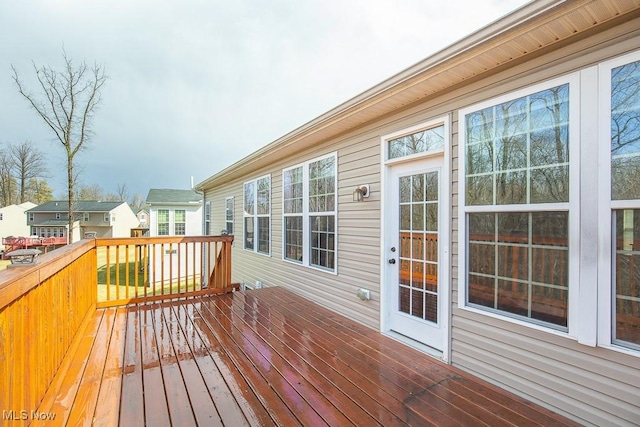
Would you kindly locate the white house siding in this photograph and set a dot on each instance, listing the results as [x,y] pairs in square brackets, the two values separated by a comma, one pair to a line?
[125,220]
[593,385]
[14,221]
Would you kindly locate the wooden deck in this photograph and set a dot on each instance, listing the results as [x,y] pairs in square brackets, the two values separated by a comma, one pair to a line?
[263,357]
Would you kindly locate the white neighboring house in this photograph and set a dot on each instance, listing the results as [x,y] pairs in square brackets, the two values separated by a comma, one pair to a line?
[174,213]
[13,221]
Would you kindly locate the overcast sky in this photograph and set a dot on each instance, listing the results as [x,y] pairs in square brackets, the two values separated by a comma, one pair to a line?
[195,85]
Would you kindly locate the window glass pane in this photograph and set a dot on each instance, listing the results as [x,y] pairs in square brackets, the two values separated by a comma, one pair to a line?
[264,233]
[263,196]
[520,148]
[249,198]
[322,185]
[522,270]
[179,222]
[248,233]
[419,142]
[322,241]
[626,312]
[292,190]
[293,238]
[163,222]
[625,132]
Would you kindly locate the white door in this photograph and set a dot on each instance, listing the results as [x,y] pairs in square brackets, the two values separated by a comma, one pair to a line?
[416,251]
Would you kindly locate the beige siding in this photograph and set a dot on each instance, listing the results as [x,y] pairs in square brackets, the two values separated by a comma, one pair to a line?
[592,385]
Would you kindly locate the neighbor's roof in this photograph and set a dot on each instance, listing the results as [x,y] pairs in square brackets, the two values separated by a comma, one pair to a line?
[532,30]
[163,196]
[79,206]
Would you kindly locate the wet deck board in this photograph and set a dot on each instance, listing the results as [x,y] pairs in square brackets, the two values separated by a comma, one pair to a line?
[265,357]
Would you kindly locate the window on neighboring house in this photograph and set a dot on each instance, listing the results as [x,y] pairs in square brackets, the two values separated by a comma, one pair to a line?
[229,209]
[310,208]
[1,216]
[143,217]
[85,217]
[58,215]
[163,222]
[106,217]
[516,206]
[31,216]
[207,218]
[257,215]
[179,221]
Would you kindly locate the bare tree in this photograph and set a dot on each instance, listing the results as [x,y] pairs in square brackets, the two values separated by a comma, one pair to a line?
[67,103]
[90,192]
[7,181]
[136,201]
[28,163]
[123,194]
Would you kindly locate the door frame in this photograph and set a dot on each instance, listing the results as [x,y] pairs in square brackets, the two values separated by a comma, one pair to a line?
[444,223]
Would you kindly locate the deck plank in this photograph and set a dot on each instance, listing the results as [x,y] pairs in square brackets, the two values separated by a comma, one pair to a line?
[156,411]
[233,376]
[331,402]
[201,402]
[132,395]
[107,412]
[87,395]
[180,410]
[342,392]
[261,358]
[226,404]
[271,399]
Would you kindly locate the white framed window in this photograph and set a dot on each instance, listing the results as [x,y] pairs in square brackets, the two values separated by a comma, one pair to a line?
[519,207]
[257,215]
[31,215]
[619,215]
[1,216]
[85,217]
[310,213]
[163,222]
[179,222]
[229,214]
[207,218]
[58,215]
[105,217]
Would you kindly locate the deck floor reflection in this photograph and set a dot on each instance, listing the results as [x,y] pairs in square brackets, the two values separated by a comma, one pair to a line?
[264,357]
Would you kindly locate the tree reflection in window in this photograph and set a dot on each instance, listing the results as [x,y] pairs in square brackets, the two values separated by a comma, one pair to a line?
[625,132]
[517,152]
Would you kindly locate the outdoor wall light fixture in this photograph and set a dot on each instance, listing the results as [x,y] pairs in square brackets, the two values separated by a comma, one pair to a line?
[361,193]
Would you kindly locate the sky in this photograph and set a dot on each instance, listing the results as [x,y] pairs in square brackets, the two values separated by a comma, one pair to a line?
[196,85]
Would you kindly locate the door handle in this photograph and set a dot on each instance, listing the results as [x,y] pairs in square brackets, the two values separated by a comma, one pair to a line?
[392,261]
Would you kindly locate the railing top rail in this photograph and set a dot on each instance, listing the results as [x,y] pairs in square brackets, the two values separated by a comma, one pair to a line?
[114,241]
[16,282]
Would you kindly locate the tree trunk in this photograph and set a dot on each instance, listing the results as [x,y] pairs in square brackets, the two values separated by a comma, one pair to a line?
[70,195]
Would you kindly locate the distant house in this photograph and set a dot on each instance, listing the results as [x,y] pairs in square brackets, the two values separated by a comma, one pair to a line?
[93,219]
[174,213]
[13,220]
[143,223]
[482,206]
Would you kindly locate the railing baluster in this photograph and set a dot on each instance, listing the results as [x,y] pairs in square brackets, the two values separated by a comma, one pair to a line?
[167,267]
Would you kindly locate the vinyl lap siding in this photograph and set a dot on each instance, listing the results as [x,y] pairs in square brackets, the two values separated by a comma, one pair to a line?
[358,241]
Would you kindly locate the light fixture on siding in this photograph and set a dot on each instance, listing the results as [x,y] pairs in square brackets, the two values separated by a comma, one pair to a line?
[361,193]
